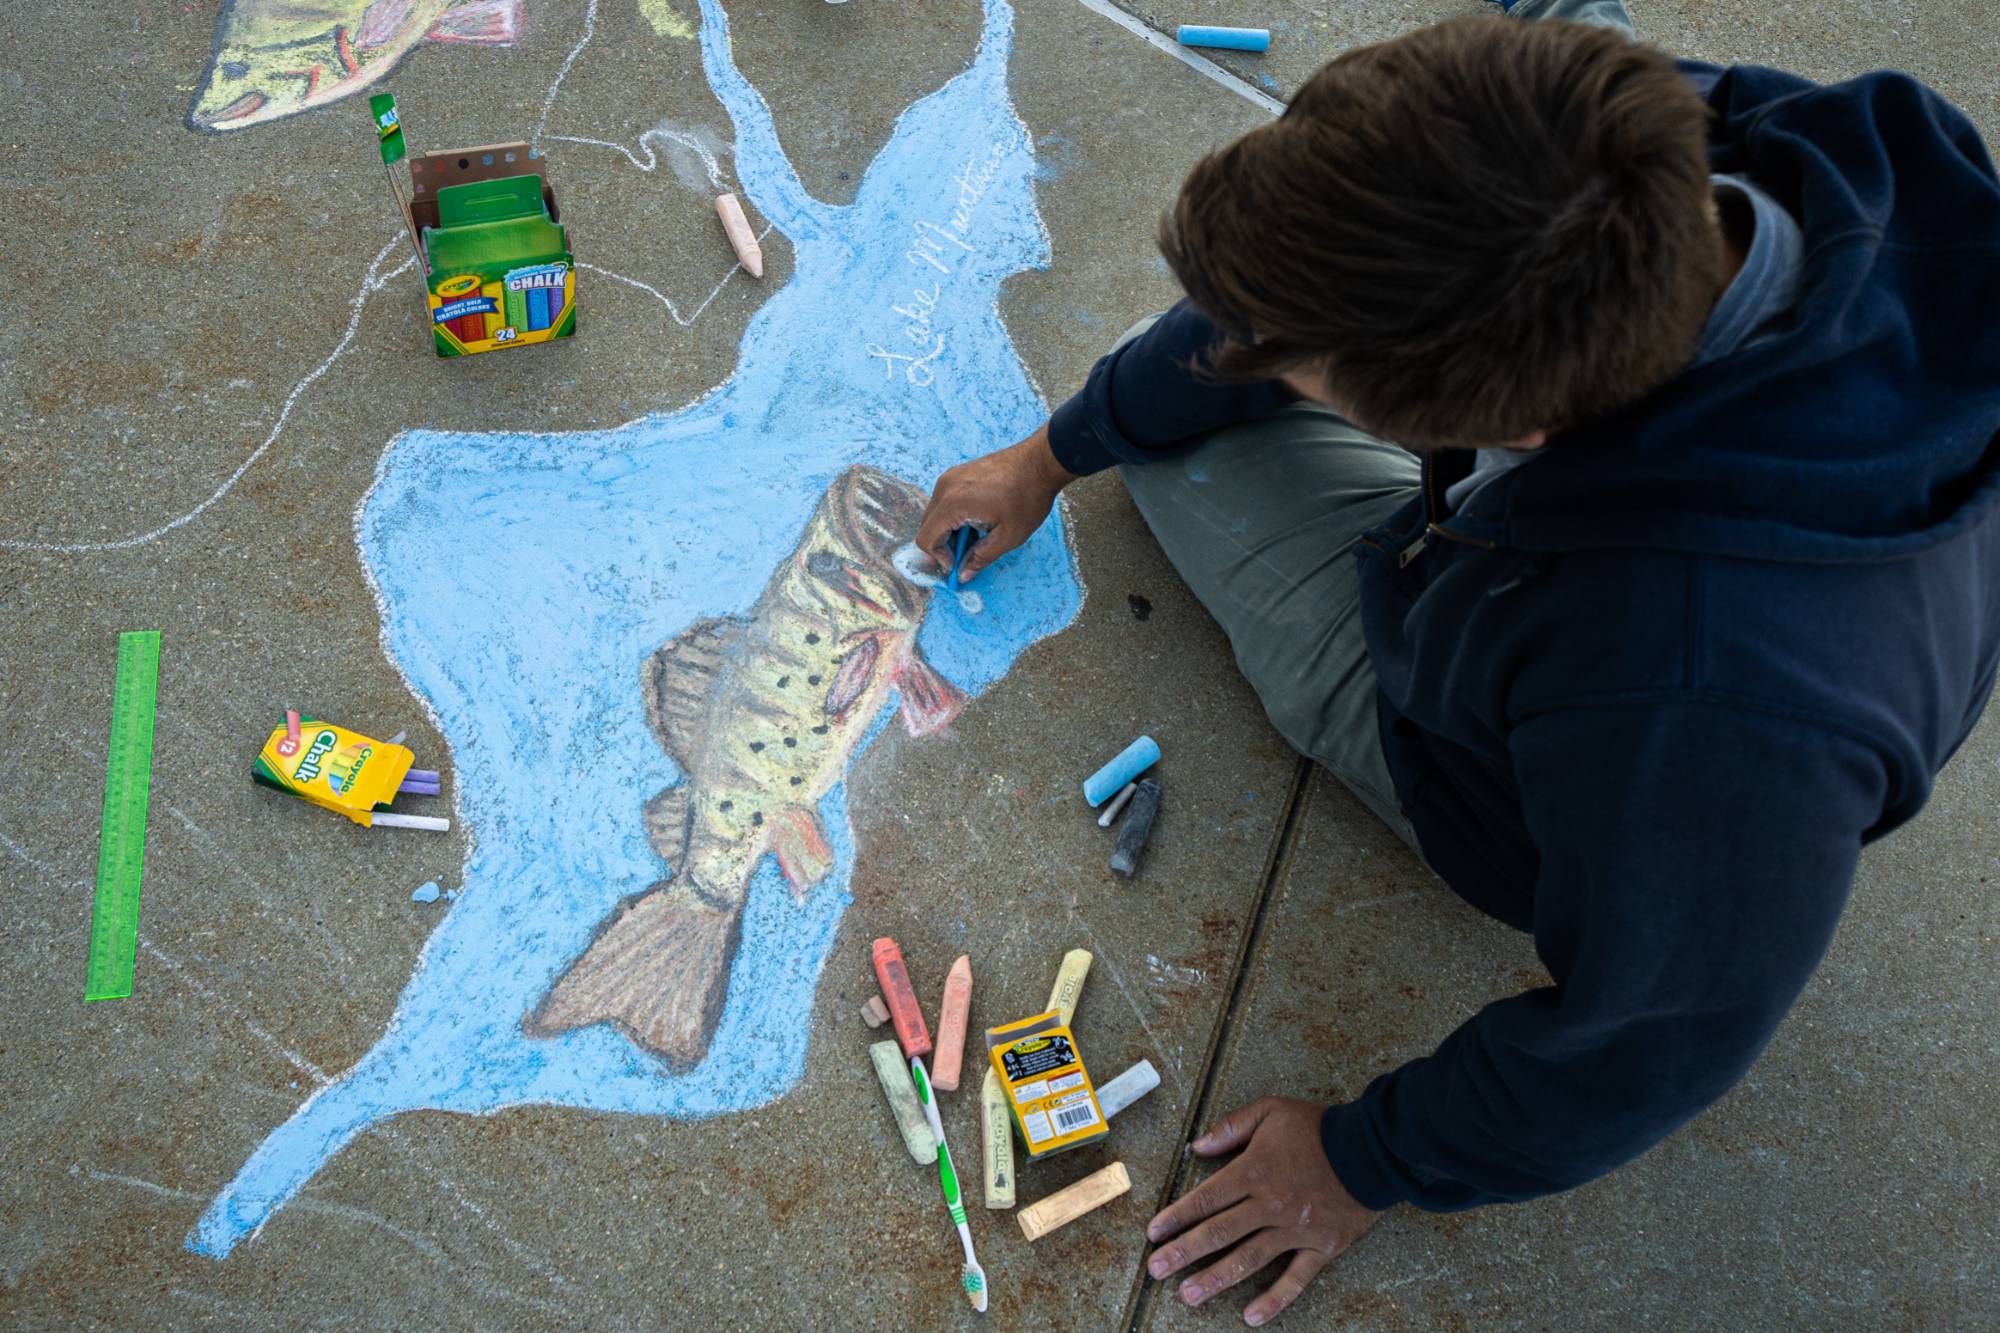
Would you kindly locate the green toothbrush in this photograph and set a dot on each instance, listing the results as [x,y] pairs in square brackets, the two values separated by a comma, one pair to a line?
[973,1276]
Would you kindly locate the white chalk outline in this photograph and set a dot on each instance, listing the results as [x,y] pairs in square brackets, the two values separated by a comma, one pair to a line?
[371,282]
[1208,69]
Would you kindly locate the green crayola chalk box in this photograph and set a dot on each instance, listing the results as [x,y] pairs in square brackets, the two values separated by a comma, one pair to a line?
[496,257]
[501,274]
[1048,1090]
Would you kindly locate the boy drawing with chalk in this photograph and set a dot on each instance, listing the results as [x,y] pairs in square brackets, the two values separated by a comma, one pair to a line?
[1595,462]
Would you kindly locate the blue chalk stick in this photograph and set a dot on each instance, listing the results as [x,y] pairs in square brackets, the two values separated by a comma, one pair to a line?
[1231,39]
[1133,760]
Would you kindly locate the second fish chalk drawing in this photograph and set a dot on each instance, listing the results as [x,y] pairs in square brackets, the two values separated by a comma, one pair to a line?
[598,623]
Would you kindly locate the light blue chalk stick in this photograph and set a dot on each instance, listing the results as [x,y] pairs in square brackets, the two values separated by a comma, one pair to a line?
[425,893]
[1133,760]
[1232,39]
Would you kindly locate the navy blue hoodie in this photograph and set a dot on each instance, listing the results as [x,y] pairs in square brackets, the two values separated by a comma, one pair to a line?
[1649,697]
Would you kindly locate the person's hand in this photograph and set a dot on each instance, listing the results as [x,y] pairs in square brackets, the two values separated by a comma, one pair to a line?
[1007,493]
[1280,1197]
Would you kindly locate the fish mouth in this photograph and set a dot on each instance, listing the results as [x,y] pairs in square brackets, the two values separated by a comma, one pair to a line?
[224,119]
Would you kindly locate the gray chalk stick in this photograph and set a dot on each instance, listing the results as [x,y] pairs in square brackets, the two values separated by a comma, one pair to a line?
[1138,827]
[1127,1088]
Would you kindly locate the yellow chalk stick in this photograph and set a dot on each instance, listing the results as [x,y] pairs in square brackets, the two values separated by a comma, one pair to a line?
[902,1095]
[1066,1205]
[1069,984]
[949,1053]
[996,1124]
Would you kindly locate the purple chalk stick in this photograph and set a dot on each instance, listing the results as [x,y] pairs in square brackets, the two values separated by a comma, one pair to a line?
[413,788]
[422,775]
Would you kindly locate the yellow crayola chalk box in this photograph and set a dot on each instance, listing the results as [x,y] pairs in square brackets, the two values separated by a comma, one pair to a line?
[1038,1063]
[333,767]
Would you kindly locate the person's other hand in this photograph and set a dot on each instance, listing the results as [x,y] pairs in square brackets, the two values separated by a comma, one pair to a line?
[1007,493]
[1279,1197]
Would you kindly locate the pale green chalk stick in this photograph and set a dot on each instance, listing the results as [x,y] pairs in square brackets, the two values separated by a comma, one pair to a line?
[895,1079]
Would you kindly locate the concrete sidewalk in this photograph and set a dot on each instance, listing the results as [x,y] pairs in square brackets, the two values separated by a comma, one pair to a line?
[185,289]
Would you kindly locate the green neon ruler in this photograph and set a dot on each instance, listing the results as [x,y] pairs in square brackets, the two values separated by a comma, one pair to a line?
[121,849]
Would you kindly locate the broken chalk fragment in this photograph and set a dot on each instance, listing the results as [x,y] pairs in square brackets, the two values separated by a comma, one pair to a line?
[425,893]
[1133,760]
[1138,827]
[1229,39]
[874,1013]
[950,1051]
[1066,1205]
[896,1086]
[1117,804]
[1127,1088]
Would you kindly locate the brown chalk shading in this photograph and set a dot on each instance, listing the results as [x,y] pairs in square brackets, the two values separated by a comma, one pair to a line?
[1066,1205]
[950,1050]
[742,239]
[874,1013]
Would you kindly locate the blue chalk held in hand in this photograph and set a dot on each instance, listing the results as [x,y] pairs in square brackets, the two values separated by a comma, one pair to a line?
[1133,760]
[1230,39]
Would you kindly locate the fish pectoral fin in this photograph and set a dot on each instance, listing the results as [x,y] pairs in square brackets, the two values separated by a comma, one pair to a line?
[798,840]
[929,700]
[678,683]
[657,972]
[850,682]
[666,820]
[479,23]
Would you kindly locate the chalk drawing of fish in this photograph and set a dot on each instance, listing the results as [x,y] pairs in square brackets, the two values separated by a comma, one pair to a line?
[276,58]
[762,714]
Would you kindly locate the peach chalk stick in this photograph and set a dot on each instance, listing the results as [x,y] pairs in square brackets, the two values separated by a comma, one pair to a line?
[904,1012]
[741,238]
[1066,1205]
[894,1074]
[951,1026]
[874,1013]
[996,1125]
[1069,983]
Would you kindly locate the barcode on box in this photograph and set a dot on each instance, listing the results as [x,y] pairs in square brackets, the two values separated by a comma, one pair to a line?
[1071,1118]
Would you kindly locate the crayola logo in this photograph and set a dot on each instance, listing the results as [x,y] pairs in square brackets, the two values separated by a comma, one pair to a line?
[308,768]
[1030,1047]
[458,286]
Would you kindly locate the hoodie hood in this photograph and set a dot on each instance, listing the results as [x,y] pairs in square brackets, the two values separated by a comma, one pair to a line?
[1867,431]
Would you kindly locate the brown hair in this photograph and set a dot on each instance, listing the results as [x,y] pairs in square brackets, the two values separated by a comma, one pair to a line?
[1476,231]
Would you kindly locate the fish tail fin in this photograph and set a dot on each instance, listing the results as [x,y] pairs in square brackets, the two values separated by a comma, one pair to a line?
[479,23]
[929,700]
[657,972]
[798,840]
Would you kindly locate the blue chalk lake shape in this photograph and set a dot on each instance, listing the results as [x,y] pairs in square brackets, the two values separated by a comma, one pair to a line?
[526,578]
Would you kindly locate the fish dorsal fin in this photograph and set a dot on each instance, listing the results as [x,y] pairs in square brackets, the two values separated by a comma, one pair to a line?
[679,681]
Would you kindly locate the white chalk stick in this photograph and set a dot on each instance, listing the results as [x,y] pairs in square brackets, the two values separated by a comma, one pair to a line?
[429,823]
[1117,804]
[996,1142]
[1127,1088]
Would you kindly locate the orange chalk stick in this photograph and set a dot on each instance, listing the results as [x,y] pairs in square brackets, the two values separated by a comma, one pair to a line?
[951,1026]
[902,1001]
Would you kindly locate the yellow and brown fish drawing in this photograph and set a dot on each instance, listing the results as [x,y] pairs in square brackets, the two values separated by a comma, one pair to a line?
[762,714]
[276,58]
